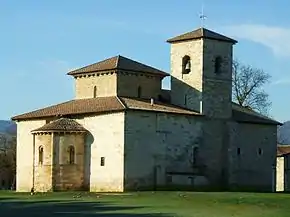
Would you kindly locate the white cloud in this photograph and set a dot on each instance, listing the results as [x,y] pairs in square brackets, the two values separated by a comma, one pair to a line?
[285,81]
[275,38]
[53,66]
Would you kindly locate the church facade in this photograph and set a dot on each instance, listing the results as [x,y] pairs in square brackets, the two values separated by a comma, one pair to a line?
[124,132]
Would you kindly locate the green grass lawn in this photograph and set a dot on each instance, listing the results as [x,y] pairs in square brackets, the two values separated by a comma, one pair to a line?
[145,204]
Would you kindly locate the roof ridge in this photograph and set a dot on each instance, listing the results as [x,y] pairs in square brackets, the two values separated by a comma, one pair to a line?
[73,107]
[102,61]
[46,107]
[61,124]
[201,33]
[253,112]
[122,103]
[117,61]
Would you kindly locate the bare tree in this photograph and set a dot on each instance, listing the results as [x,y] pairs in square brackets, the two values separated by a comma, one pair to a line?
[248,83]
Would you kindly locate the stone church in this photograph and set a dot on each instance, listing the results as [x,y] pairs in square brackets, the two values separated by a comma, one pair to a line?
[123,132]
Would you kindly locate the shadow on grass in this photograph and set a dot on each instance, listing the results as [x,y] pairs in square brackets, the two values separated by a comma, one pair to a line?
[68,208]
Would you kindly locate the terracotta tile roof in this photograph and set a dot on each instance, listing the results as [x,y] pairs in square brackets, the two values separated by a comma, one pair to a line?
[100,105]
[145,105]
[61,125]
[283,150]
[118,63]
[115,104]
[201,33]
[242,114]
[80,106]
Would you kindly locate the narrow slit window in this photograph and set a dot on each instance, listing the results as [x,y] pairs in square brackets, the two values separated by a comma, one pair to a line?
[95,91]
[217,65]
[102,161]
[71,155]
[238,151]
[195,155]
[139,92]
[40,155]
[260,151]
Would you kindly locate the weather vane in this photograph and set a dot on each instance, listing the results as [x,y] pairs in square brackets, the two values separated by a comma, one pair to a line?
[202,17]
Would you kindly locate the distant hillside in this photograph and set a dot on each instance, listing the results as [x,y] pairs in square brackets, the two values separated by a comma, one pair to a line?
[7,133]
[8,127]
[284,133]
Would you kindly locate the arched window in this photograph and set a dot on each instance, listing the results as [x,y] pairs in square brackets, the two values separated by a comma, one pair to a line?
[71,155]
[186,65]
[95,91]
[217,65]
[40,155]
[139,92]
[195,155]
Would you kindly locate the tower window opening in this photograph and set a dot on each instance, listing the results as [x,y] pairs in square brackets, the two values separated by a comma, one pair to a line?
[217,65]
[186,65]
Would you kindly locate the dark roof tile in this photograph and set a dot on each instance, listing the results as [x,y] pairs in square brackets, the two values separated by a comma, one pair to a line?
[283,150]
[74,107]
[201,33]
[118,63]
[100,105]
[145,105]
[242,114]
[61,125]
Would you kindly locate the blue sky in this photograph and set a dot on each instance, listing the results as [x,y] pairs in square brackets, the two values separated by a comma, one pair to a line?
[42,40]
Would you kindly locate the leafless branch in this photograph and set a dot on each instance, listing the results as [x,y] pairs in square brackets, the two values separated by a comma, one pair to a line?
[248,83]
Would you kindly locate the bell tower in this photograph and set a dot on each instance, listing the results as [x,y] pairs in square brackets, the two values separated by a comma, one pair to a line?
[201,72]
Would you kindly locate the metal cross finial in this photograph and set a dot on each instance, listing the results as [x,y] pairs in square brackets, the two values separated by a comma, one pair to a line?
[202,16]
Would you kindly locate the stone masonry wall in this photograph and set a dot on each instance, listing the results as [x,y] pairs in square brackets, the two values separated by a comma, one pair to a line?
[107,141]
[24,154]
[121,84]
[252,168]
[43,172]
[69,176]
[217,87]
[202,83]
[186,88]
[280,169]
[287,173]
[215,147]
[128,83]
[157,144]
[106,85]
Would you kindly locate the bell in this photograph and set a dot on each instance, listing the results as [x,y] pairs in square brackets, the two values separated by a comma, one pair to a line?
[187,67]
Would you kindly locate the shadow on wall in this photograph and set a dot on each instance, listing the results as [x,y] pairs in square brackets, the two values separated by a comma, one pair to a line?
[185,95]
[71,208]
[89,140]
